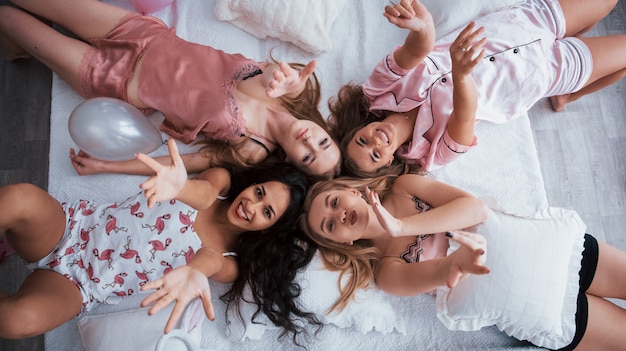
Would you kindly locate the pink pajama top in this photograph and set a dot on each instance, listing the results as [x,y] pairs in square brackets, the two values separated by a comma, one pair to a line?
[525,60]
[193,85]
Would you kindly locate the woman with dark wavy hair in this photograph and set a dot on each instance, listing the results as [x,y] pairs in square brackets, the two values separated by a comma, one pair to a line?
[167,240]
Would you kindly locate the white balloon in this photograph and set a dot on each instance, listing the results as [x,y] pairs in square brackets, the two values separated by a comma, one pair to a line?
[113,130]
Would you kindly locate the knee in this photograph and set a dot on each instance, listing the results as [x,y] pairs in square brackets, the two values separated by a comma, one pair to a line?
[18,192]
[15,198]
[608,6]
[7,13]
[18,321]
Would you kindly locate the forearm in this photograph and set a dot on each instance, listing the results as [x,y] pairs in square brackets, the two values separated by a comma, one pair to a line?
[194,163]
[408,279]
[465,102]
[417,45]
[459,213]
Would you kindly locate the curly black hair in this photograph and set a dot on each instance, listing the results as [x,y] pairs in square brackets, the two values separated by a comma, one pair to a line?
[269,260]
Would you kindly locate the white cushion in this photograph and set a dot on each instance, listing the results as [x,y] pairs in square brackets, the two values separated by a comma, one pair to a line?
[308,24]
[532,288]
[135,330]
[453,14]
[371,310]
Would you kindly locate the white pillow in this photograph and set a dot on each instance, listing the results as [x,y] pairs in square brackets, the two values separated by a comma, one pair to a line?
[371,310]
[532,289]
[135,330]
[306,24]
[453,14]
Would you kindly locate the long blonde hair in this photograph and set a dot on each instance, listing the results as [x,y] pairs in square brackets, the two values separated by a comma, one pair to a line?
[357,261]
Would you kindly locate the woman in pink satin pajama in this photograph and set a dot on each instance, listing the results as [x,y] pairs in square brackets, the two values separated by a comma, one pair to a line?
[245,109]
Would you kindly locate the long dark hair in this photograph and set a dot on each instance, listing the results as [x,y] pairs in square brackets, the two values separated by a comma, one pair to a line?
[269,260]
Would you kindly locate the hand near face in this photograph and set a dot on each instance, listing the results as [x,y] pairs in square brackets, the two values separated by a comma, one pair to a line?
[181,285]
[391,224]
[469,258]
[168,181]
[288,81]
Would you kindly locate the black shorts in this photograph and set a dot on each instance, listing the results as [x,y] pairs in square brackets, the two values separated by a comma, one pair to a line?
[588,266]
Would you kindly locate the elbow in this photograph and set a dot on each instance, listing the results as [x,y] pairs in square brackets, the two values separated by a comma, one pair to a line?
[482,211]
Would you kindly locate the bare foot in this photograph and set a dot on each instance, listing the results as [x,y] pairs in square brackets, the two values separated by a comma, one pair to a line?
[559,102]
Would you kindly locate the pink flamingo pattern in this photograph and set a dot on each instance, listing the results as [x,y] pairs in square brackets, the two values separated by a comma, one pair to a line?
[158,245]
[109,267]
[130,253]
[185,219]
[159,224]
[134,209]
[112,225]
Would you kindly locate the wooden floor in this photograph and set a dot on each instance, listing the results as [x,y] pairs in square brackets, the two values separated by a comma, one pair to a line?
[582,151]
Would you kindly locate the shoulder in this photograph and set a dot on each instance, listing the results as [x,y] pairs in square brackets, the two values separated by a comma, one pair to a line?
[218,176]
[408,180]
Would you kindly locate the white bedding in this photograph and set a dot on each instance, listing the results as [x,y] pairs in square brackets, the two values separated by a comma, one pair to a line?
[504,166]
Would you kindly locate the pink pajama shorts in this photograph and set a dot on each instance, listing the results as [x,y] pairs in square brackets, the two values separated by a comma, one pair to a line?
[109,65]
[571,61]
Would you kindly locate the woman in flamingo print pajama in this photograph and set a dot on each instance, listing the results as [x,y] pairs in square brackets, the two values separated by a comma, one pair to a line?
[83,254]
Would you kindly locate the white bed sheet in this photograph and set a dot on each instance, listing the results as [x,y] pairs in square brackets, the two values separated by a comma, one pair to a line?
[504,166]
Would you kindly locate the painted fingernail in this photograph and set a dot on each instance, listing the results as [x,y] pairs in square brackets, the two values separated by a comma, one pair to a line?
[449,234]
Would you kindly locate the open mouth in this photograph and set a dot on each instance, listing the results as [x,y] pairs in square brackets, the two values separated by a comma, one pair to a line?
[241,212]
[353,217]
[383,136]
[302,133]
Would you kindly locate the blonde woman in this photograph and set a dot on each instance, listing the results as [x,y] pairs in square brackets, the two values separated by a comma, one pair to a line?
[401,244]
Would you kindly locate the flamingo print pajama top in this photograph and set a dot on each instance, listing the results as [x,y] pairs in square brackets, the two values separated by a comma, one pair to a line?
[110,251]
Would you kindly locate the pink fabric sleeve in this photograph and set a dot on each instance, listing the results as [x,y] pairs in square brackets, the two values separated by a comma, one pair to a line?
[449,150]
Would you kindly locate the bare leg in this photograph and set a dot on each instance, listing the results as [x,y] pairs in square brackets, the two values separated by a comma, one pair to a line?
[34,222]
[85,18]
[610,277]
[609,66]
[23,34]
[582,15]
[559,102]
[606,320]
[45,301]
[605,326]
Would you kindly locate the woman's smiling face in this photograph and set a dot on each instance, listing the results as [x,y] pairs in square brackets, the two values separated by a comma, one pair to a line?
[259,206]
[373,146]
[339,215]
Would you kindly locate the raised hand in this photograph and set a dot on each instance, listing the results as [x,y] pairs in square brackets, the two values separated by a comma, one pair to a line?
[289,81]
[183,284]
[466,51]
[469,258]
[409,14]
[168,180]
[390,223]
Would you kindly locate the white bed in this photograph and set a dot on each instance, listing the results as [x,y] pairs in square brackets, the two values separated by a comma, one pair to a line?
[504,167]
